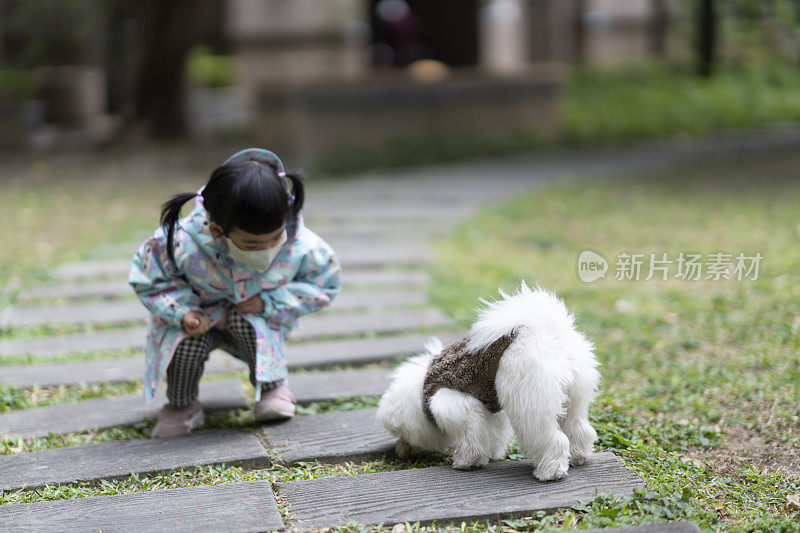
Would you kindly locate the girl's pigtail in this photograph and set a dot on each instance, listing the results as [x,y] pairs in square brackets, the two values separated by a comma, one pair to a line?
[170,213]
[298,190]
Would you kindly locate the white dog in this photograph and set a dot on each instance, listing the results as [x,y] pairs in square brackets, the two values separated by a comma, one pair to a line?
[524,366]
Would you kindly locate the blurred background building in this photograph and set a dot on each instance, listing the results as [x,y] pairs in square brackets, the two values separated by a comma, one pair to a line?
[316,76]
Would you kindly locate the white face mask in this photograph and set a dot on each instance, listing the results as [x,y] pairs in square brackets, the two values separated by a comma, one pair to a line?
[258,260]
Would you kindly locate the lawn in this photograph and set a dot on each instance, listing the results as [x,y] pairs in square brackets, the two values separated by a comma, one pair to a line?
[701,378]
[701,391]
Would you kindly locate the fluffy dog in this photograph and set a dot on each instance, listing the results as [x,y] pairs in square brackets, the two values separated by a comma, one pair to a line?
[522,369]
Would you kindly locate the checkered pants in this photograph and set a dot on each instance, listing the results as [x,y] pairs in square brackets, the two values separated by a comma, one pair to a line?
[187,364]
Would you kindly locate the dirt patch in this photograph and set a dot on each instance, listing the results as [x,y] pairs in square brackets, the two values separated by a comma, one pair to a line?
[753,447]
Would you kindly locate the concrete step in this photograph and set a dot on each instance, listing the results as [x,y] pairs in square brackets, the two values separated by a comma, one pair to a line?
[314,327]
[110,460]
[308,355]
[446,495]
[372,257]
[330,438]
[111,289]
[103,413]
[246,506]
[133,311]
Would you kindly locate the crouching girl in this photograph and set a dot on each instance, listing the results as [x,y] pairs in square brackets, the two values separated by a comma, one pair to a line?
[235,274]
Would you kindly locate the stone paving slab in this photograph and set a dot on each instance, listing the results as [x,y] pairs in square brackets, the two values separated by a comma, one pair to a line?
[372,257]
[323,354]
[669,527]
[111,289]
[337,240]
[379,228]
[109,460]
[330,438]
[322,325]
[229,507]
[308,355]
[100,371]
[133,311]
[400,211]
[320,386]
[103,413]
[446,495]
[431,196]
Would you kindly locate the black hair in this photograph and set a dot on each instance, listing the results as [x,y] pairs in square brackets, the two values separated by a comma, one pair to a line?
[246,194]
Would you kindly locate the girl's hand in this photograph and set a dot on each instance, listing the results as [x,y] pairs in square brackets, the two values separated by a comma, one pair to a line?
[253,306]
[195,323]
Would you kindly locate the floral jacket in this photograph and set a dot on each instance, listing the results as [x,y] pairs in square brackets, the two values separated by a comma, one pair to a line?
[303,278]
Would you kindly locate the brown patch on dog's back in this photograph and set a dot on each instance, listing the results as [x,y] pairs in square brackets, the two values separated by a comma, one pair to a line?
[467,372]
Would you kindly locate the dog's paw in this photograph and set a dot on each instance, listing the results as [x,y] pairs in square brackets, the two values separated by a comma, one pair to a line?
[551,469]
[500,454]
[402,448]
[577,459]
[469,463]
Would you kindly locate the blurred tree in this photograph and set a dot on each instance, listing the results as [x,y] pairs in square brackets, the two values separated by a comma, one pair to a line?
[658,32]
[166,34]
[580,31]
[36,33]
[118,61]
[707,37]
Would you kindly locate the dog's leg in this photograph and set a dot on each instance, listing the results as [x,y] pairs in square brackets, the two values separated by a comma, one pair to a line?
[500,427]
[402,448]
[575,424]
[465,420]
[533,397]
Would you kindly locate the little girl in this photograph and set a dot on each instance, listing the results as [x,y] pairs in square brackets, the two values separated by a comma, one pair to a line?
[234,274]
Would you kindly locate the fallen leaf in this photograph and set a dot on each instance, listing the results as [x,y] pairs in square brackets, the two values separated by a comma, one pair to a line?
[794,500]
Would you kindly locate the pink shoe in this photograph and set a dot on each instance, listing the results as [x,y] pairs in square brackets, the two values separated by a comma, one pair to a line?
[174,421]
[277,404]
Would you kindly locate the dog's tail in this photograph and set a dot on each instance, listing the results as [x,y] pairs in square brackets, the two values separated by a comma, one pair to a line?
[535,308]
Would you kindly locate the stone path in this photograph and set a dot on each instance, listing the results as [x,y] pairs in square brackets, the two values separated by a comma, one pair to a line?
[109,460]
[330,438]
[109,313]
[119,288]
[246,506]
[383,229]
[364,257]
[314,327]
[104,413]
[444,494]
[308,355]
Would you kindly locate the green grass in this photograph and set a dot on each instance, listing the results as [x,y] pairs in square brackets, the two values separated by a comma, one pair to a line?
[690,368]
[693,371]
[63,205]
[13,399]
[651,101]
